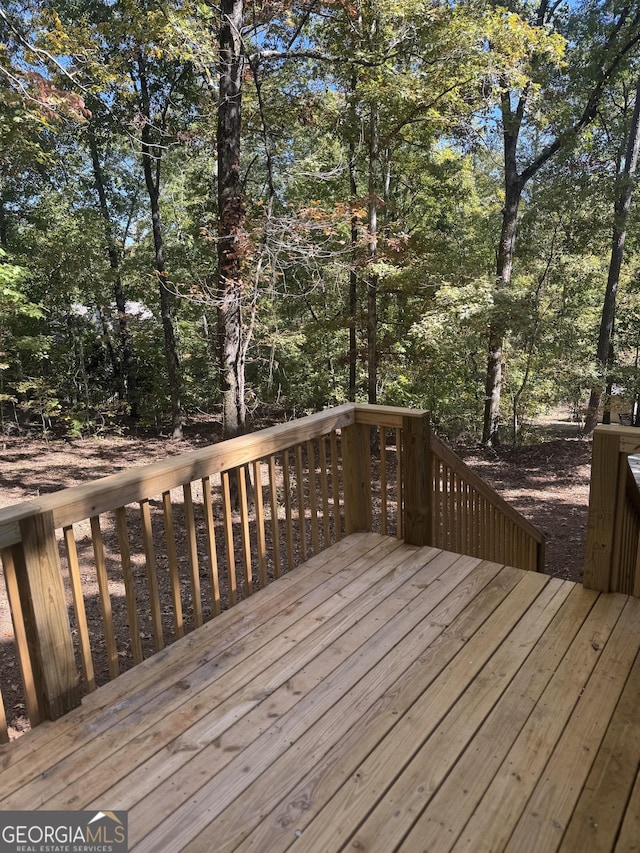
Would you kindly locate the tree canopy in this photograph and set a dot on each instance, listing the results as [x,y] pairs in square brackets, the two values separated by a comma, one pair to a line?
[209,208]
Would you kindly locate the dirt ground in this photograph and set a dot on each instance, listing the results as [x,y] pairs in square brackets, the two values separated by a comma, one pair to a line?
[548,481]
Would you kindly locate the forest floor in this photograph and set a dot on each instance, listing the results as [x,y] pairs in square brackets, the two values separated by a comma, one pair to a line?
[547,480]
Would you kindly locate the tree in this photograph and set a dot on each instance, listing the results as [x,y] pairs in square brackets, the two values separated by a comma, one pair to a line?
[153,138]
[626,184]
[126,368]
[622,35]
[231,217]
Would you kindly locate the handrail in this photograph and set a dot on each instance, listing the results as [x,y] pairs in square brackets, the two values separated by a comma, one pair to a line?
[248,510]
[484,489]
[612,556]
[470,517]
[89,499]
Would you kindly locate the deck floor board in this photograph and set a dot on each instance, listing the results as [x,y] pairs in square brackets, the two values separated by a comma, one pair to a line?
[603,799]
[454,802]
[502,805]
[381,697]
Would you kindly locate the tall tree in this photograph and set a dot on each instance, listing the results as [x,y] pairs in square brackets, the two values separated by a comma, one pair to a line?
[153,137]
[622,35]
[622,208]
[126,365]
[231,217]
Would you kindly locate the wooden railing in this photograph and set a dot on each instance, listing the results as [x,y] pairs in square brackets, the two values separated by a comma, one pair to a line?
[469,517]
[100,576]
[612,559]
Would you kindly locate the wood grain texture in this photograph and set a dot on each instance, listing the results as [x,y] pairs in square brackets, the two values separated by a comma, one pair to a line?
[20,632]
[417,481]
[356,467]
[86,659]
[381,697]
[172,562]
[601,521]
[42,596]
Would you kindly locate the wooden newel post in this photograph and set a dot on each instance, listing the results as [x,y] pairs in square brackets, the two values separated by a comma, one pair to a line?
[356,463]
[416,458]
[42,596]
[603,499]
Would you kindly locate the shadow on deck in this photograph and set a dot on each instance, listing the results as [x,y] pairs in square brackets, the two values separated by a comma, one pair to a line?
[381,697]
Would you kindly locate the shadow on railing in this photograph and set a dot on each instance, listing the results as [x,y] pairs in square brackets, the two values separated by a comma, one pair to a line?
[612,558]
[102,575]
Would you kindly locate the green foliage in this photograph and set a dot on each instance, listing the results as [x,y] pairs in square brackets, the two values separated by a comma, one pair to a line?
[433,74]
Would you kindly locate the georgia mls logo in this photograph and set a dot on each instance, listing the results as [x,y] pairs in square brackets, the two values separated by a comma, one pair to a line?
[117,829]
[63,832]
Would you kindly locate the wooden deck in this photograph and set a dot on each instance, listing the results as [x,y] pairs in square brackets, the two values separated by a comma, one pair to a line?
[381,697]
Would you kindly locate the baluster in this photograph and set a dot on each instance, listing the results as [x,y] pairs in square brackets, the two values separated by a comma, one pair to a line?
[324,486]
[244,527]
[399,487]
[192,548]
[228,536]
[335,487]
[129,584]
[22,642]
[384,497]
[86,660]
[211,544]
[275,527]
[152,575]
[105,598]
[313,500]
[172,560]
[260,524]
[287,509]
[302,524]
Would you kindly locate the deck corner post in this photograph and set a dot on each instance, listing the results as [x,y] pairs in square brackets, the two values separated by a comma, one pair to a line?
[356,462]
[417,476]
[47,626]
[603,494]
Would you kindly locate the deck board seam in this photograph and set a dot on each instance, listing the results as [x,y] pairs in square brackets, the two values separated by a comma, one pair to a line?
[364,678]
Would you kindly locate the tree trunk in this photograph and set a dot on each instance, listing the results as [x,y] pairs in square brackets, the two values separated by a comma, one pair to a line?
[621,217]
[231,215]
[126,367]
[151,160]
[372,278]
[353,284]
[504,266]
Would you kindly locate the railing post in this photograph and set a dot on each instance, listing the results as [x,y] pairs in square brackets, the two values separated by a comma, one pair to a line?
[417,478]
[42,596]
[603,499]
[356,465]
